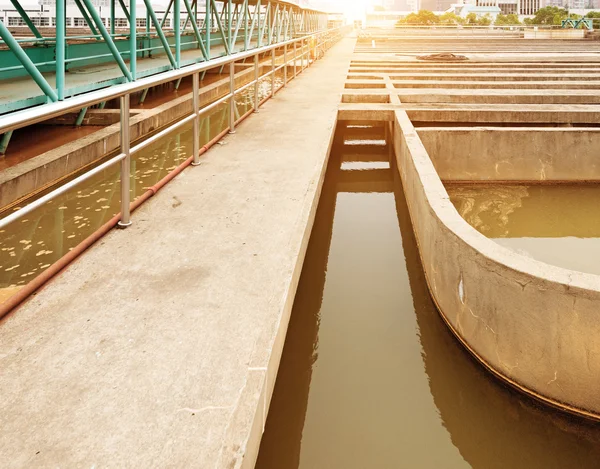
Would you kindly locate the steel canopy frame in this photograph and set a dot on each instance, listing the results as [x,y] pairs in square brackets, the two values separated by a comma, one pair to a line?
[243,23]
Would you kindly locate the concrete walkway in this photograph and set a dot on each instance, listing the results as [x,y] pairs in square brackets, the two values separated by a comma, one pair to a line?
[159,347]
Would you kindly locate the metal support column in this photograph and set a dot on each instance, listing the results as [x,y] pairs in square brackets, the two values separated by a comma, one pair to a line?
[207,28]
[285,65]
[256,84]
[4,141]
[61,32]
[112,17]
[132,39]
[295,58]
[125,164]
[196,122]
[272,72]
[232,99]
[177,30]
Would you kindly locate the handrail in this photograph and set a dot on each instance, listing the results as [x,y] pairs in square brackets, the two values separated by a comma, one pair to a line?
[48,111]
[123,92]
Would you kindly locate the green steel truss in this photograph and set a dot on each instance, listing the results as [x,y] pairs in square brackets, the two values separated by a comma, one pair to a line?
[214,30]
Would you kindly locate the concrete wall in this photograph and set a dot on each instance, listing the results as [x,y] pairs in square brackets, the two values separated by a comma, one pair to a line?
[532,324]
[513,153]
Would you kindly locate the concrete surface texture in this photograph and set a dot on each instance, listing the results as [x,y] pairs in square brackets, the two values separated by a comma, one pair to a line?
[532,324]
[159,347]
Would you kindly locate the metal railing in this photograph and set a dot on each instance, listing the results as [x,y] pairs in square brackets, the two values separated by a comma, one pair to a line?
[307,47]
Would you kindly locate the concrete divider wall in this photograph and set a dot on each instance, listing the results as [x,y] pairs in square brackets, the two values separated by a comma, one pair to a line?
[532,324]
[513,153]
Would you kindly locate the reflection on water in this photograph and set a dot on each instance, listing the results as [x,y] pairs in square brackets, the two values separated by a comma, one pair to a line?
[558,224]
[371,377]
[30,245]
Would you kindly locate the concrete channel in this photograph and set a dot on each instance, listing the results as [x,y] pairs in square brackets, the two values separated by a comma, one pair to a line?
[532,324]
[414,337]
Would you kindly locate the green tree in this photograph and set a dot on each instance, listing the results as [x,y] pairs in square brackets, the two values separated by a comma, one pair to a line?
[507,20]
[423,17]
[451,19]
[594,15]
[485,20]
[471,18]
[549,15]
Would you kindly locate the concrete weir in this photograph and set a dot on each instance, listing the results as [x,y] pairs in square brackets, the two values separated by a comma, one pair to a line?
[532,324]
[159,347]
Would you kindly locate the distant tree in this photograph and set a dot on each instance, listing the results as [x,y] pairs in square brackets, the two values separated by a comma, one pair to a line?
[423,17]
[451,19]
[594,15]
[485,20]
[471,18]
[549,15]
[507,20]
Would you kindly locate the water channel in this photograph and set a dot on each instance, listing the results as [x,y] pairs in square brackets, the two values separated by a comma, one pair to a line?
[557,224]
[370,376]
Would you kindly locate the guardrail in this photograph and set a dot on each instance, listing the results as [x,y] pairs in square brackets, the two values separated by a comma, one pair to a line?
[304,49]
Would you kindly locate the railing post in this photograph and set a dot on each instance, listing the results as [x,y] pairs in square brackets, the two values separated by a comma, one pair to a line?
[272,72]
[125,163]
[256,84]
[196,122]
[232,98]
[295,58]
[285,65]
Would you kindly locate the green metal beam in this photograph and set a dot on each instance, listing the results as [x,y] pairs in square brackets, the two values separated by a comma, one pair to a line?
[107,39]
[188,7]
[61,44]
[80,117]
[167,11]
[26,18]
[86,17]
[220,27]
[124,8]
[4,141]
[160,33]
[133,39]
[177,31]
[20,54]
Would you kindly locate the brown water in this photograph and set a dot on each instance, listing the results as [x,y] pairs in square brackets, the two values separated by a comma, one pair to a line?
[371,377]
[30,245]
[557,224]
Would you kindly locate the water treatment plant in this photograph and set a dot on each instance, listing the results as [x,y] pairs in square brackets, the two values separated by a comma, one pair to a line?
[254,236]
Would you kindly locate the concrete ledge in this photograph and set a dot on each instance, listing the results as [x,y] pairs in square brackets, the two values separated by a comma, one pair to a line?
[513,153]
[159,346]
[534,325]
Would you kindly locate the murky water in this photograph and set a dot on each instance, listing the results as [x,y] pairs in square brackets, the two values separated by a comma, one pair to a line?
[30,245]
[370,375]
[557,224]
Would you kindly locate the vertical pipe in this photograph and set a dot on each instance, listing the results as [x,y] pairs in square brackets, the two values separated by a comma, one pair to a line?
[230,25]
[125,163]
[285,65]
[112,17]
[246,16]
[196,123]
[132,38]
[61,31]
[272,72]
[232,98]
[258,6]
[207,26]
[295,58]
[177,21]
[256,84]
